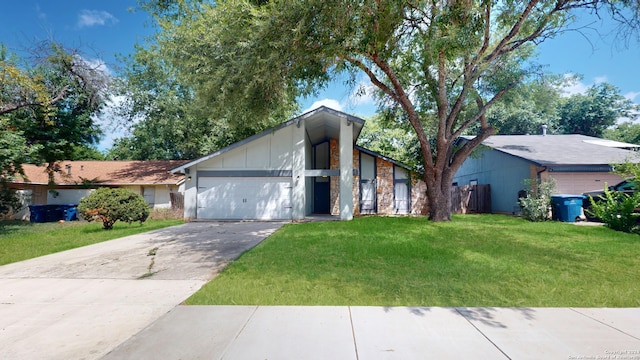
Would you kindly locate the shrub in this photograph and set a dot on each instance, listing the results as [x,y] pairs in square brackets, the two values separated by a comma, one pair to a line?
[110,205]
[536,205]
[9,202]
[616,210]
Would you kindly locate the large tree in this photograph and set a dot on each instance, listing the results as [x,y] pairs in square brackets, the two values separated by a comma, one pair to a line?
[627,131]
[165,119]
[442,64]
[47,103]
[527,107]
[593,112]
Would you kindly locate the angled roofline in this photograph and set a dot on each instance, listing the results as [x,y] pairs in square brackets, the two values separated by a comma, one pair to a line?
[386,158]
[268,131]
[541,164]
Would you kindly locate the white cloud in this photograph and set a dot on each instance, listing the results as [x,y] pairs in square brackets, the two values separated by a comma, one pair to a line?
[112,124]
[632,95]
[95,64]
[41,14]
[599,79]
[363,93]
[573,86]
[330,103]
[88,18]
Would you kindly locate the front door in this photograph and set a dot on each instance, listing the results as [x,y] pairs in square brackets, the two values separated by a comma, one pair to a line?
[321,197]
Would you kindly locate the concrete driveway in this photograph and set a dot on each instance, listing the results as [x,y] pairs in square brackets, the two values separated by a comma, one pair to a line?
[82,303]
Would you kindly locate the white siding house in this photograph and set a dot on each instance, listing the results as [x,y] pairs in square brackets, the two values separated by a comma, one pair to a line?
[306,165]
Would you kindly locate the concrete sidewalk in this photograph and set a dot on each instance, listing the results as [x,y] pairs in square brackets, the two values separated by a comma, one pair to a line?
[296,332]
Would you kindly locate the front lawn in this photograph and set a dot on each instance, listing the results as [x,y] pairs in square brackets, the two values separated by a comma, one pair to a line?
[475,260]
[23,240]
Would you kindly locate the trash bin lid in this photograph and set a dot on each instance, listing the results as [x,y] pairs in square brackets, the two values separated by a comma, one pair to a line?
[567,196]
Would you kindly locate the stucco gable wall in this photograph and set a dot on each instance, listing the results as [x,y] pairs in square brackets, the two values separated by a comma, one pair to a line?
[270,152]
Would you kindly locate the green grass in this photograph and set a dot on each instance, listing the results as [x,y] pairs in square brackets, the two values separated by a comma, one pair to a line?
[22,240]
[475,260]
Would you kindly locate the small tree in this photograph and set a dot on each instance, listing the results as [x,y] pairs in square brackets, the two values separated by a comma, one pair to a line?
[536,205]
[110,205]
[616,210]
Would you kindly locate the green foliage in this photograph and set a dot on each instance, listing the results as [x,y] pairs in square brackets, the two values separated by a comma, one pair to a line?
[627,131]
[628,170]
[9,201]
[47,106]
[86,152]
[536,205]
[393,140]
[168,121]
[617,210]
[620,211]
[439,64]
[110,205]
[13,153]
[527,107]
[590,114]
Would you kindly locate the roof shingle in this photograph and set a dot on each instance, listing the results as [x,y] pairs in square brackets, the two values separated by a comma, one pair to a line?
[152,172]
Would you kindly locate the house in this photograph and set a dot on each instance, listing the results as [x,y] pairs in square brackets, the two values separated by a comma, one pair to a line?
[76,179]
[577,163]
[307,165]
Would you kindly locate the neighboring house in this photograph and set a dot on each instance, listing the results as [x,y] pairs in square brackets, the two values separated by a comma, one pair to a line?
[578,164]
[307,165]
[76,179]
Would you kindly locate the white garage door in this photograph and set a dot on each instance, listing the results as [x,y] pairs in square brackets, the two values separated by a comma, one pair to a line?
[259,198]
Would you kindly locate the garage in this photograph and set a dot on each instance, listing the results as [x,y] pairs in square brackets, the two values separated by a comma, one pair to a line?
[580,182]
[256,198]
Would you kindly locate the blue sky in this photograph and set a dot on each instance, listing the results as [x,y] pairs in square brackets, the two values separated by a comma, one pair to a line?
[102,29]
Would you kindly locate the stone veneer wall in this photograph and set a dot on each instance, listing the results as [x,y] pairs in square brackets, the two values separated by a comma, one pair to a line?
[384,186]
[385,193]
[419,202]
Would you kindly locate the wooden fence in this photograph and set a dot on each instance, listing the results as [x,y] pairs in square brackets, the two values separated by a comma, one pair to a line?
[177,201]
[471,199]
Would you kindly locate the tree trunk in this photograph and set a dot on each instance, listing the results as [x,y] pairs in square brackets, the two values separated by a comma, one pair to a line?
[440,206]
[439,197]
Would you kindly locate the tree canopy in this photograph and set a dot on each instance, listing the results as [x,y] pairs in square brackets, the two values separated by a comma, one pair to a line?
[590,114]
[46,106]
[440,65]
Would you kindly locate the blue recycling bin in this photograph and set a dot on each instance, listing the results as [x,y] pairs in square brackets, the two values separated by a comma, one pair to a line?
[38,213]
[53,213]
[70,212]
[566,207]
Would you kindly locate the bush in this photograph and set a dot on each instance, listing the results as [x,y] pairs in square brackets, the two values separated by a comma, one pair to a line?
[536,205]
[617,210]
[9,202]
[110,205]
